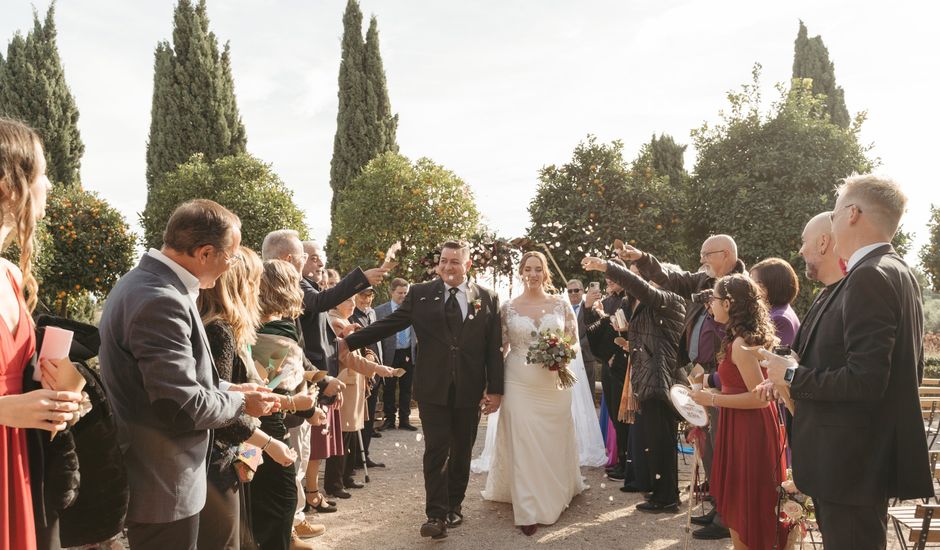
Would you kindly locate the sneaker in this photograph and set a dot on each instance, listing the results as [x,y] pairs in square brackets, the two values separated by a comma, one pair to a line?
[296,543]
[306,530]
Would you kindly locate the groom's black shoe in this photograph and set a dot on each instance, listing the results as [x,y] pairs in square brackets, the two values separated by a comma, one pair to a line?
[434,528]
[454,519]
[657,507]
[407,426]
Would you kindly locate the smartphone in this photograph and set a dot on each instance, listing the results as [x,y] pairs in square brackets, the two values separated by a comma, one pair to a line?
[782,350]
[594,286]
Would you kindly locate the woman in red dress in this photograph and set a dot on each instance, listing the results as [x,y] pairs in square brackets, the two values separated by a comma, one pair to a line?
[748,464]
[23,188]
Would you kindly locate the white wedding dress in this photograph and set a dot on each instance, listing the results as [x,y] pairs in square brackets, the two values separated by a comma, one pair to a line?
[535,461]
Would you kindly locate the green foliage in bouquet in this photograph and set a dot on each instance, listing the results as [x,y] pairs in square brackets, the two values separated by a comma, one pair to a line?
[553,351]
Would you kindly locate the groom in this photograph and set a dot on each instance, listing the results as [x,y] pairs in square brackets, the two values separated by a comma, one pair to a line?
[458,373]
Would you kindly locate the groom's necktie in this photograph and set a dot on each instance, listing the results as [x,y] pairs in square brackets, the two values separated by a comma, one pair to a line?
[452,312]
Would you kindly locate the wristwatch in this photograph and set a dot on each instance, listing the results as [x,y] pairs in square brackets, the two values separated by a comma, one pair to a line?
[788,376]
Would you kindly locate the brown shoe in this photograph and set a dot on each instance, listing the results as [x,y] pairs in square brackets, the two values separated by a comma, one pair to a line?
[305,529]
[297,544]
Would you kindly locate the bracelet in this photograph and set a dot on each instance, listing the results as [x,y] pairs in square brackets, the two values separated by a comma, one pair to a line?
[268,442]
[291,408]
[714,396]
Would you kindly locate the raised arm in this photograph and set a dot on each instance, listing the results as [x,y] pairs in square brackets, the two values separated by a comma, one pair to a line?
[399,320]
[682,283]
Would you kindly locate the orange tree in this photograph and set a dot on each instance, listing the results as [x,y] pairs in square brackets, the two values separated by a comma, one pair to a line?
[85,247]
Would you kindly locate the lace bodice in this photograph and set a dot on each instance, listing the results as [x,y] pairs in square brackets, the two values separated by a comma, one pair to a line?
[521,325]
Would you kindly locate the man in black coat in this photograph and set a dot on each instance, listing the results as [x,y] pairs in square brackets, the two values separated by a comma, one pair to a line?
[858,437]
[458,372]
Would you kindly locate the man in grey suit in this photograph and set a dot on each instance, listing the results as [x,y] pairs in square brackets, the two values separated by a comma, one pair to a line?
[158,369]
[576,297]
[398,351]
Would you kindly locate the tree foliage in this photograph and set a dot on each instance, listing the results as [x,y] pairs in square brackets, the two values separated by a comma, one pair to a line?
[930,252]
[194,108]
[811,61]
[241,183]
[33,89]
[760,177]
[420,204]
[582,206]
[87,245]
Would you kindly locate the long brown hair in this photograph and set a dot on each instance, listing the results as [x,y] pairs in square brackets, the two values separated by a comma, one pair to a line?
[280,293]
[547,285]
[748,316]
[234,298]
[19,169]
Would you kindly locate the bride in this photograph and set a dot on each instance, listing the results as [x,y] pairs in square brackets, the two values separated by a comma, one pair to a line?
[535,465]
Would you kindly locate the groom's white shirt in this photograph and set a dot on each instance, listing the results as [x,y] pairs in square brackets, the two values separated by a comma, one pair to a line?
[461,296]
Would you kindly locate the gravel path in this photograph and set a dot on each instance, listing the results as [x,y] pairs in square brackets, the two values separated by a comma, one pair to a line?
[388,512]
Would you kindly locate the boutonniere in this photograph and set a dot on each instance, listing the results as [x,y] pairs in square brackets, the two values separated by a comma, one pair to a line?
[476,304]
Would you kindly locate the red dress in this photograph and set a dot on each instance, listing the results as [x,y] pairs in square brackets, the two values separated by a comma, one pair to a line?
[747,467]
[17,529]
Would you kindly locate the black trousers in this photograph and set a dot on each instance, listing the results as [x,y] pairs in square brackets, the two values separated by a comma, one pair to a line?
[273,494]
[402,405]
[637,471]
[612,381]
[353,454]
[181,534]
[857,527]
[449,435]
[219,520]
[369,427]
[660,427]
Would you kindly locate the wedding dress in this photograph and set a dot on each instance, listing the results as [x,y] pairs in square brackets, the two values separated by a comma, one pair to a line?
[535,456]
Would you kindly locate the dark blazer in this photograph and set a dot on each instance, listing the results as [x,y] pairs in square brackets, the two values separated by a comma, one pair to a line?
[317,337]
[685,284]
[655,328]
[858,436]
[601,333]
[586,353]
[157,368]
[364,319]
[472,361]
[389,343]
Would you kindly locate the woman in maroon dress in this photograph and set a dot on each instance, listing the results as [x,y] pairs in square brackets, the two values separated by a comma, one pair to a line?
[748,465]
[23,188]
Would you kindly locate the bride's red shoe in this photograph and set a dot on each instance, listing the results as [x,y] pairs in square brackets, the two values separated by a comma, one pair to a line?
[528,530]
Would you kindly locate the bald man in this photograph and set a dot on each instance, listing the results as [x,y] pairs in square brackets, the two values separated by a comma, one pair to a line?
[701,335]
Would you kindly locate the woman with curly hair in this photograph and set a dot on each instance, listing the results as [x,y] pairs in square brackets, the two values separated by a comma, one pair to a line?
[748,462]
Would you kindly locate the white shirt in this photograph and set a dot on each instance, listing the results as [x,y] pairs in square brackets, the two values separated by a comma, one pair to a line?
[861,253]
[461,296]
[189,280]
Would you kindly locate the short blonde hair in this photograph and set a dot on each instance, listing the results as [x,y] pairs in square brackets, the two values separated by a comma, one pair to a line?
[879,197]
[547,281]
[234,298]
[280,293]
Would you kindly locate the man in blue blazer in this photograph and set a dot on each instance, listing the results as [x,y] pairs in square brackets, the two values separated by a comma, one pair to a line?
[158,369]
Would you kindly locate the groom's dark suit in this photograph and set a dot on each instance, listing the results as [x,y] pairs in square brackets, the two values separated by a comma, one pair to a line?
[452,370]
[858,437]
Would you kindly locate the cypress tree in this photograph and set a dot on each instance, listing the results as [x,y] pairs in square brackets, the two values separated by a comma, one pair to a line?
[811,60]
[33,89]
[194,108]
[384,126]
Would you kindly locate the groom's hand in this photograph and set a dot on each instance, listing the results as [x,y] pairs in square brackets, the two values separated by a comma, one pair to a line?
[490,403]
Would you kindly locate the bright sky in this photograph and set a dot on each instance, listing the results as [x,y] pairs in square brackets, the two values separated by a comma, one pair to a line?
[496,89]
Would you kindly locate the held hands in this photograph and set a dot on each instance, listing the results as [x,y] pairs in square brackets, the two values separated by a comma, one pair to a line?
[281,453]
[40,409]
[261,403]
[490,403]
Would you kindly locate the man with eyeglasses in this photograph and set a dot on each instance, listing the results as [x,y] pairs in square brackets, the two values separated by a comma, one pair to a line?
[701,335]
[576,297]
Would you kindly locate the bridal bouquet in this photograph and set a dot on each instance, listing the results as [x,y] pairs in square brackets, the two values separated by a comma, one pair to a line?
[796,509]
[553,351]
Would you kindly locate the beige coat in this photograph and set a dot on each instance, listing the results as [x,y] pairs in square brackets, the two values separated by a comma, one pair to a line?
[354,371]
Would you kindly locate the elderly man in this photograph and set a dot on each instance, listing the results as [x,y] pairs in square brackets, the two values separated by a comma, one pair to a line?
[158,369]
[858,436]
[701,335]
[576,297]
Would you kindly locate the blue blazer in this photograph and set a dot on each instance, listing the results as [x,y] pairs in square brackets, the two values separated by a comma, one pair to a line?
[391,342]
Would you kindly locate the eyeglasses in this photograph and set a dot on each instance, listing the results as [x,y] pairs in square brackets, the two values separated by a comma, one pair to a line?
[707,254]
[574,290]
[832,215]
[302,257]
[230,259]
